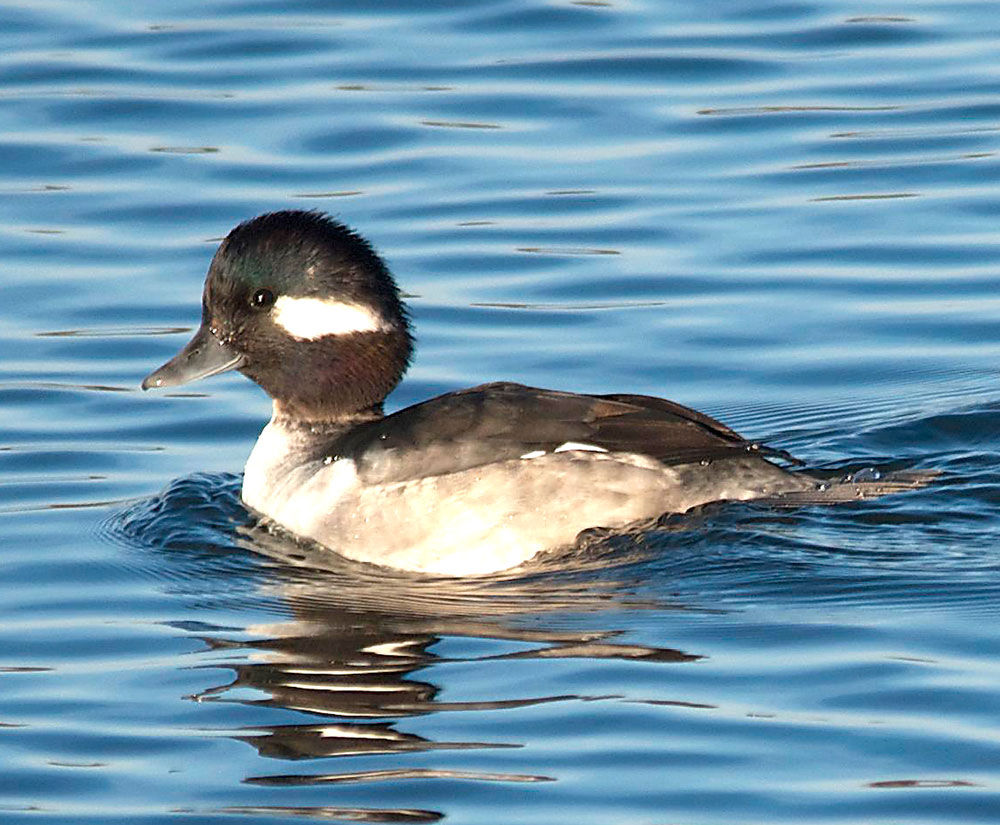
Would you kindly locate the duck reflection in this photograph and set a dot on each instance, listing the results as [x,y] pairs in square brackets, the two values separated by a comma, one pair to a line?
[366,661]
[357,653]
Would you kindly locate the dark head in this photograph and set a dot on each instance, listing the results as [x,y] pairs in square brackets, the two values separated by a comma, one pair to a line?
[306,308]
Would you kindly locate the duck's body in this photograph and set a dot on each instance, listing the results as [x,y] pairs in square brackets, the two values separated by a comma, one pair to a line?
[483,479]
[469,482]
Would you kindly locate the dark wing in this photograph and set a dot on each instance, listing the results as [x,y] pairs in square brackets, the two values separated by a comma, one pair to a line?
[502,421]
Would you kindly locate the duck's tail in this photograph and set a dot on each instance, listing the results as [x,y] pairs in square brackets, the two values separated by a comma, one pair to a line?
[867,483]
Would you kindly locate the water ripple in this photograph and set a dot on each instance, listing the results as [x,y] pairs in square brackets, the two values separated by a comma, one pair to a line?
[780,213]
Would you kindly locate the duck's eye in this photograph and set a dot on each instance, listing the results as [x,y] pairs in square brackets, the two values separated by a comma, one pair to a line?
[262,299]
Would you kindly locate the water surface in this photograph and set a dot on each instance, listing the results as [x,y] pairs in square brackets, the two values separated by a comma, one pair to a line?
[781,213]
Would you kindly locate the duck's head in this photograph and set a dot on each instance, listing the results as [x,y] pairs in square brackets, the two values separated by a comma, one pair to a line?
[306,308]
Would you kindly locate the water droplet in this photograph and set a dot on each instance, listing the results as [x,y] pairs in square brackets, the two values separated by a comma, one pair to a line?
[867,474]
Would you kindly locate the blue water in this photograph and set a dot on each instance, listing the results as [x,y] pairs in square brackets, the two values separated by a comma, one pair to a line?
[782,213]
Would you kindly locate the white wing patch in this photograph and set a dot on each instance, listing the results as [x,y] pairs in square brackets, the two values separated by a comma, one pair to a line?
[576,445]
[311,318]
[567,447]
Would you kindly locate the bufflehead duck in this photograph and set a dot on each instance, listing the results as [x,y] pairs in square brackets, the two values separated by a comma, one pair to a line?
[470,482]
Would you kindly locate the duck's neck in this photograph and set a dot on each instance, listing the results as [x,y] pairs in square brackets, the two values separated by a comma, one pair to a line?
[334,379]
[319,421]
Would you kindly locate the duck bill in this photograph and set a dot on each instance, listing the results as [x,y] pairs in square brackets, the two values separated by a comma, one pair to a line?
[203,356]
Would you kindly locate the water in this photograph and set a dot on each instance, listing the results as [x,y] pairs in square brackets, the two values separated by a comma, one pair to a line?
[781,213]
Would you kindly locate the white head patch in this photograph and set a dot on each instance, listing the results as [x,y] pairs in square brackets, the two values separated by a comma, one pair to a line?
[310,318]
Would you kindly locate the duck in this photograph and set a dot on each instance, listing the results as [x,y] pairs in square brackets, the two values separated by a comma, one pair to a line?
[471,482]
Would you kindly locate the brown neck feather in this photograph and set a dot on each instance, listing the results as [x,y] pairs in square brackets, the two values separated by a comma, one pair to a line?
[348,381]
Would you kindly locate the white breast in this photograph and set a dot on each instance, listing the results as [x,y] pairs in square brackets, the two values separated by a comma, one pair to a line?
[297,494]
[266,465]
